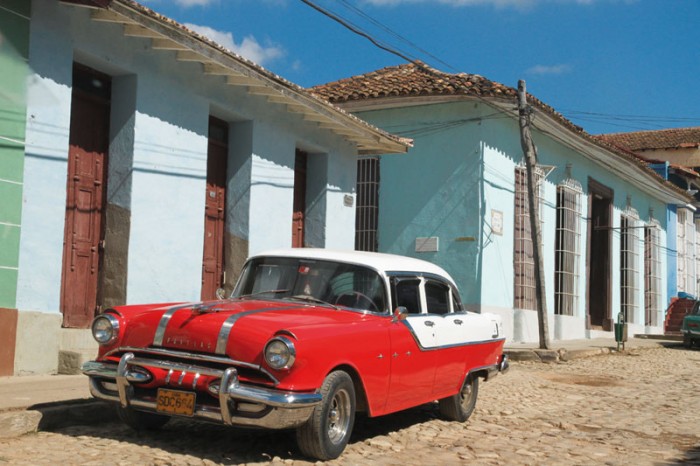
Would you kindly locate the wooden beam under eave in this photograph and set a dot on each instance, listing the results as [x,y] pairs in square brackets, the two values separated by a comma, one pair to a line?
[217,70]
[318,118]
[296,108]
[280,99]
[166,44]
[187,55]
[134,30]
[109,17]
[240,80]
[262,90]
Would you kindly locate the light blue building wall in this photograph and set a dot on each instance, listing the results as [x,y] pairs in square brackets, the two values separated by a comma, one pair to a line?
[457,184]
[157,166]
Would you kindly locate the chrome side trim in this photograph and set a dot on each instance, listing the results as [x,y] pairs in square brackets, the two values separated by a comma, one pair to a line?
[163,324]
[466,343]
[228,324]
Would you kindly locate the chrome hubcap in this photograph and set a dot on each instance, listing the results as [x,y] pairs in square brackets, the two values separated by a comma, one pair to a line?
[466,393]
[339,417]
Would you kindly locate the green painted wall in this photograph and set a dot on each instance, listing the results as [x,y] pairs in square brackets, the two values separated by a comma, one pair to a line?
[14,52]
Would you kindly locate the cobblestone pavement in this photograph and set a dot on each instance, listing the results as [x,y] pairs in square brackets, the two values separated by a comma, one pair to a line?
[637,408]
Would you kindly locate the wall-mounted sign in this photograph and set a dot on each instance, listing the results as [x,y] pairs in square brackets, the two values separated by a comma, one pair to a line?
[497,222]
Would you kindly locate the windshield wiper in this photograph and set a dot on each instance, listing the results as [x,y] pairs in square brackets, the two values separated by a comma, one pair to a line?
[244,296]
[311,299]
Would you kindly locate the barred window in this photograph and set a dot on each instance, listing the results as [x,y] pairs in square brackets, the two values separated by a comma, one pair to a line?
[367,211]
[652,273]
[567,248]
[696,253]
[686,252]
[523,260]
[629,263]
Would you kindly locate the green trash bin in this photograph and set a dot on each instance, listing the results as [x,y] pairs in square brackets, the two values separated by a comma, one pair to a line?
[621,332]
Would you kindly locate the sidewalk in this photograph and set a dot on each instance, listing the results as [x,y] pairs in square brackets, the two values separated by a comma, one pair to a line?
[41,402]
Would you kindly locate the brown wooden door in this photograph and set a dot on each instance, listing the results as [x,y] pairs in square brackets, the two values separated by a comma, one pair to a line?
[215,209]
[299,199]
[599,256]
[87,162]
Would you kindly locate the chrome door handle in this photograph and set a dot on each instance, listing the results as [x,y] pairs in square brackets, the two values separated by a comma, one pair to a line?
[458,322]
[429,323]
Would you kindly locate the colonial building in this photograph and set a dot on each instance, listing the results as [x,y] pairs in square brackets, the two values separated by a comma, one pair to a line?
[153,162]
[675,154]
[459,199]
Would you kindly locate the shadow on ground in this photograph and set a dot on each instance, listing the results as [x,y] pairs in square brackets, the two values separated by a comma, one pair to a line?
[231,445]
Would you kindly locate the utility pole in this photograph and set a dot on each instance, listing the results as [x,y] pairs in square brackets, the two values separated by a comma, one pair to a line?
[530,152]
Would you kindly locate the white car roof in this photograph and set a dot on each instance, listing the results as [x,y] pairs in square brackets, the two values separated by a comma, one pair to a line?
[382,262]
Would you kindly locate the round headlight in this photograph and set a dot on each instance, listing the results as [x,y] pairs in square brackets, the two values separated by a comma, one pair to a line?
[105,329]
[280,353]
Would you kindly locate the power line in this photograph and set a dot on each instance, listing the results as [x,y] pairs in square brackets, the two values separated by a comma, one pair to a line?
[358,31]
[395,34]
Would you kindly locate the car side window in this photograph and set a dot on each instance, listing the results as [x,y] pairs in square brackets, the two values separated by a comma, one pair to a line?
[407,293]
[437,297]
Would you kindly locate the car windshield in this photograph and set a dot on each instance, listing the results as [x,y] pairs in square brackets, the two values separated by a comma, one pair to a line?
[314,281]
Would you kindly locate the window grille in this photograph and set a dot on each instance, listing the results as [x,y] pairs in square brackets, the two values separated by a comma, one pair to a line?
[696,253]
[367,211]
[686,252]
[523,260]
[629,263]
[652,273]
[567,248]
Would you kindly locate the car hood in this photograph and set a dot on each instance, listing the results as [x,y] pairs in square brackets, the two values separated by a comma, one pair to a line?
[238,329]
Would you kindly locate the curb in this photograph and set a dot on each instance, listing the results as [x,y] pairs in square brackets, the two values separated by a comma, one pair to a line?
[50,416]
[562,354]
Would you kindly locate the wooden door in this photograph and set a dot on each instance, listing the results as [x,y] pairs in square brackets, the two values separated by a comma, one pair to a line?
[299,199]
[84,226]
[599,256]
[215,209]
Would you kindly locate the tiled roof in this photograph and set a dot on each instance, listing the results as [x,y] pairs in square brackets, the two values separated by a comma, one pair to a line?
[412,79]
[676,138]
[419,80]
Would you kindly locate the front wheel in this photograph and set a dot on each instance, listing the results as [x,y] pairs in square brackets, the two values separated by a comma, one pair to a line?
[139,420]
[326,433]
[460,406]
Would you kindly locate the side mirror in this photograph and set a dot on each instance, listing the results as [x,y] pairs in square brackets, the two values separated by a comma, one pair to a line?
[400,313]
[220,293]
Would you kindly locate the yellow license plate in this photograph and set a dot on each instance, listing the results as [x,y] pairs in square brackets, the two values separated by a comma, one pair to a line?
[175,402]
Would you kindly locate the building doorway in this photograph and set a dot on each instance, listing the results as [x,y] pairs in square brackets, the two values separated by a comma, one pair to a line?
[215,209]
[599,255]
[86,186]
[299,214]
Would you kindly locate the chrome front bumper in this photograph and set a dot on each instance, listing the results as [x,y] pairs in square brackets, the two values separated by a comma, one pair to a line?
[238,404]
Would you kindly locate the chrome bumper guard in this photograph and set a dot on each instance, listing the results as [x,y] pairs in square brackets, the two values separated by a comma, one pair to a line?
[500,368]
[280,409]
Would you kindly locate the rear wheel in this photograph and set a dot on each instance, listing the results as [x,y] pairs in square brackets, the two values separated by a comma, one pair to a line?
[139,420]
[687,341]
[326,433]
[460,406]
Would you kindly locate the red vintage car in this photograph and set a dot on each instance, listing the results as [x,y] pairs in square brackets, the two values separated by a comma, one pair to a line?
[307,338]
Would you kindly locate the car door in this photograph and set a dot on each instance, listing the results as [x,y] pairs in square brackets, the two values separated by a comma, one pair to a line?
[449,334]
[412,340]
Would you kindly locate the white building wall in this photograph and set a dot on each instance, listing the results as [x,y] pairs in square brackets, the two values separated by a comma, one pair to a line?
[159,137]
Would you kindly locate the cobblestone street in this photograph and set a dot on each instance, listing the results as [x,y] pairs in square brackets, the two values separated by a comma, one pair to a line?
[637,408]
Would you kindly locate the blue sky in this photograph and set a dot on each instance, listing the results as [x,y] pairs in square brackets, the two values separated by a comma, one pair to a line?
[607,65]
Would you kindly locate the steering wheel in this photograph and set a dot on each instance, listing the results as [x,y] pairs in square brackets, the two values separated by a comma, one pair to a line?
[358,298]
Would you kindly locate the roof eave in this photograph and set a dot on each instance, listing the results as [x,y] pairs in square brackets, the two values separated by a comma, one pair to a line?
[168,35]
[642,177]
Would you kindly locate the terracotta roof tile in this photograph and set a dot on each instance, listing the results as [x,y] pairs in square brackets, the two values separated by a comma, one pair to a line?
[676,138]
[412,79]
